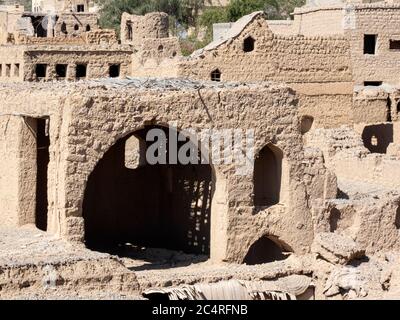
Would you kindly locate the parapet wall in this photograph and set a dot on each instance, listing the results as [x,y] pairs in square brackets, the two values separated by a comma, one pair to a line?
[319,20]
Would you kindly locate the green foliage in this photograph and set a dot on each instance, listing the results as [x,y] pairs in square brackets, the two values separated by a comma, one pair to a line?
[194,14]
[111,11]
[275,9]
[184,12]
[27,4]
[213,15]
[239,8]
[191,44]
[209,17]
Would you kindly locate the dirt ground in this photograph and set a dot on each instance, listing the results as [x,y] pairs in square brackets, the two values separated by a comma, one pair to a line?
[36,265]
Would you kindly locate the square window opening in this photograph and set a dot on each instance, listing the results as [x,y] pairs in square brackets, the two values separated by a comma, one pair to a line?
[372,83]
[114,70]
[8,70]
[394,44]
[41,71]
[216,75]
[61,70]
[81,71]
[370,43]
[16,70]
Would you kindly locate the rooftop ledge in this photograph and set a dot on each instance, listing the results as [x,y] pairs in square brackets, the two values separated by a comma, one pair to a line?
[356,6]
[167,84]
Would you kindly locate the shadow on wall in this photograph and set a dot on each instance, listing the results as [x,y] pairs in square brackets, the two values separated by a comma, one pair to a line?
[159,206]
[376,138]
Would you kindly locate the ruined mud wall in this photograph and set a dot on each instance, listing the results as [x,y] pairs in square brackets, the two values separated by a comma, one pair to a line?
[135,28]
[102,37]
[96,59]
[372,106]
[275,57]
[335,104]
[74,24]
[155,53]
[238,190]
[156,58]
[346,153]
[367,208]
[8,23]
[85,123]
[327,110]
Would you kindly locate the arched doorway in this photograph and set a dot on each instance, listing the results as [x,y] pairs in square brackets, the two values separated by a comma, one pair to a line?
[267,176]
[265,250]
[156,206]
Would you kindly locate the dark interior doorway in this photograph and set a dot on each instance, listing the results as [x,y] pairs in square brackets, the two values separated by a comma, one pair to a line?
[154,206]
[265,250]
[39,24]
[42,161]
[267,176]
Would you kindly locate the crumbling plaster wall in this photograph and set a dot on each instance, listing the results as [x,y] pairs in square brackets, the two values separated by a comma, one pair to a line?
[317,67]
[155,54]
[370,221]
[330,104]
[290,59]
[75,23]
[367,210]
[135,28]
[8,21]
[104,37]
[346,155]
[156,58]
[189,110]
[336,104]
[84,124]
